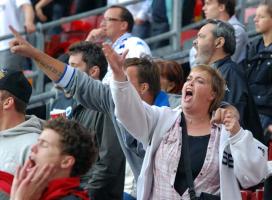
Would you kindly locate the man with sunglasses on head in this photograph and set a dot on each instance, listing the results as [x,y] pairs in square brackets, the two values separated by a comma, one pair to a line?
[116,28]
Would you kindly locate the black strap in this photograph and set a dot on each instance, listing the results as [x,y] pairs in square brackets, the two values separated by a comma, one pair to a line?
[186,159]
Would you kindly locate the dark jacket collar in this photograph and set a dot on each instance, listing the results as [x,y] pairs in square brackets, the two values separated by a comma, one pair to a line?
[217,64]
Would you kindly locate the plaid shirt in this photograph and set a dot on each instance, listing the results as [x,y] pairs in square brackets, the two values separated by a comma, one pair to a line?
[166,163]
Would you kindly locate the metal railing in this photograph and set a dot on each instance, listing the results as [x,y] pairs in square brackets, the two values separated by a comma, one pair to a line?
[174,34]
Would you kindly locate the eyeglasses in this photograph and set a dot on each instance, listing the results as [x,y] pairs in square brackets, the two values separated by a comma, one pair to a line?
[112,19]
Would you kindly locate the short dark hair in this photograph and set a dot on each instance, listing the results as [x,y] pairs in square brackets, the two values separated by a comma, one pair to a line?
[148,72]
[125,16]
[92,55]
[225,30]
[20,106]
[267,3]
[75,140]
[229,5]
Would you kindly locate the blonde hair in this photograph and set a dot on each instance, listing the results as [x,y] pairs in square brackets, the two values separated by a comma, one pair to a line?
[217,82]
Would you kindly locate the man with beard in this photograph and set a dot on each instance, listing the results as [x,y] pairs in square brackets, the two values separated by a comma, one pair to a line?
[215,44]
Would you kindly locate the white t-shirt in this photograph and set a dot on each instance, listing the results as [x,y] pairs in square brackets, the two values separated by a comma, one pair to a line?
[10,14]
[136,46]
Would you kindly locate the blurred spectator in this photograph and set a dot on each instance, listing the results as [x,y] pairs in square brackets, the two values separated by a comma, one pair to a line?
[93,94]
[171,79]
[87,5]
[215,44]
[18,131]
[161,18]
[163,175]
[20,15]
[105,180]
[64,151]
[171,76]
[145,76]
[50,10]
[188,12]
[268,181]
[258,62]
[63,100]
[141,14]
[117,26]
[225,11]
[43,9]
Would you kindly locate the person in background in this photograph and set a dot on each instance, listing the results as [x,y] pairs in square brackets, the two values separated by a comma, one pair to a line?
[171,76]
[96,96]
[225,10]
[19,14]
[215,44]
[220,152]
[116,27]
[257,64]
[50,10]
[86,5]
[64,151]
[171,79]
[105,180]
[18,131]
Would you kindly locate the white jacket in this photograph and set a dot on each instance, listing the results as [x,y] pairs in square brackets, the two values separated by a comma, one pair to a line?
[149,124]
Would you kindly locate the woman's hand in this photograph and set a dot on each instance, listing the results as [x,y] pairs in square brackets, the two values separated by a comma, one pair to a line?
[116,62]
[228,116]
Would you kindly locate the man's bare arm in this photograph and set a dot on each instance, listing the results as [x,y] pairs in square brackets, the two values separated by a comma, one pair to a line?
[29,17]
[52,67]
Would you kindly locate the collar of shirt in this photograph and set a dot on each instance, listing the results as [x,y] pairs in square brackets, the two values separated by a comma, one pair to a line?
[121,39]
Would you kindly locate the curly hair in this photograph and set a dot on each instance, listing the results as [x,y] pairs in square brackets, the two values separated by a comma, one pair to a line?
[75,141]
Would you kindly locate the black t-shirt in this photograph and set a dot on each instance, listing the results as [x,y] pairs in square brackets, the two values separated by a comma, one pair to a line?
[197,150]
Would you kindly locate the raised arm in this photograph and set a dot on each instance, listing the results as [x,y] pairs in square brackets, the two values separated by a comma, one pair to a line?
[140,119]
[52,67]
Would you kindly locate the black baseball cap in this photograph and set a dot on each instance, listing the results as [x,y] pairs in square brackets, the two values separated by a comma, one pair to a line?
[16,83]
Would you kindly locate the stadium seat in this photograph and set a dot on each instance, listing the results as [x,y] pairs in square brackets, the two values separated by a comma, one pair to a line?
[187,38]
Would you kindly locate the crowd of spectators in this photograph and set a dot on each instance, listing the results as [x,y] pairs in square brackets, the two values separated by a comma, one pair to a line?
[132,121]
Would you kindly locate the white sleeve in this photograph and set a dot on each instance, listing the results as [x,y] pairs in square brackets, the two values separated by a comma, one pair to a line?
[135,115]
[269,167]
[145,10]
[192,57]
[19,3]
[249,157]
[137,48]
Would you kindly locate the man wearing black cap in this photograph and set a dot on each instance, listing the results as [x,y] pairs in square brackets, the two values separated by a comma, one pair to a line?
[18,131]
